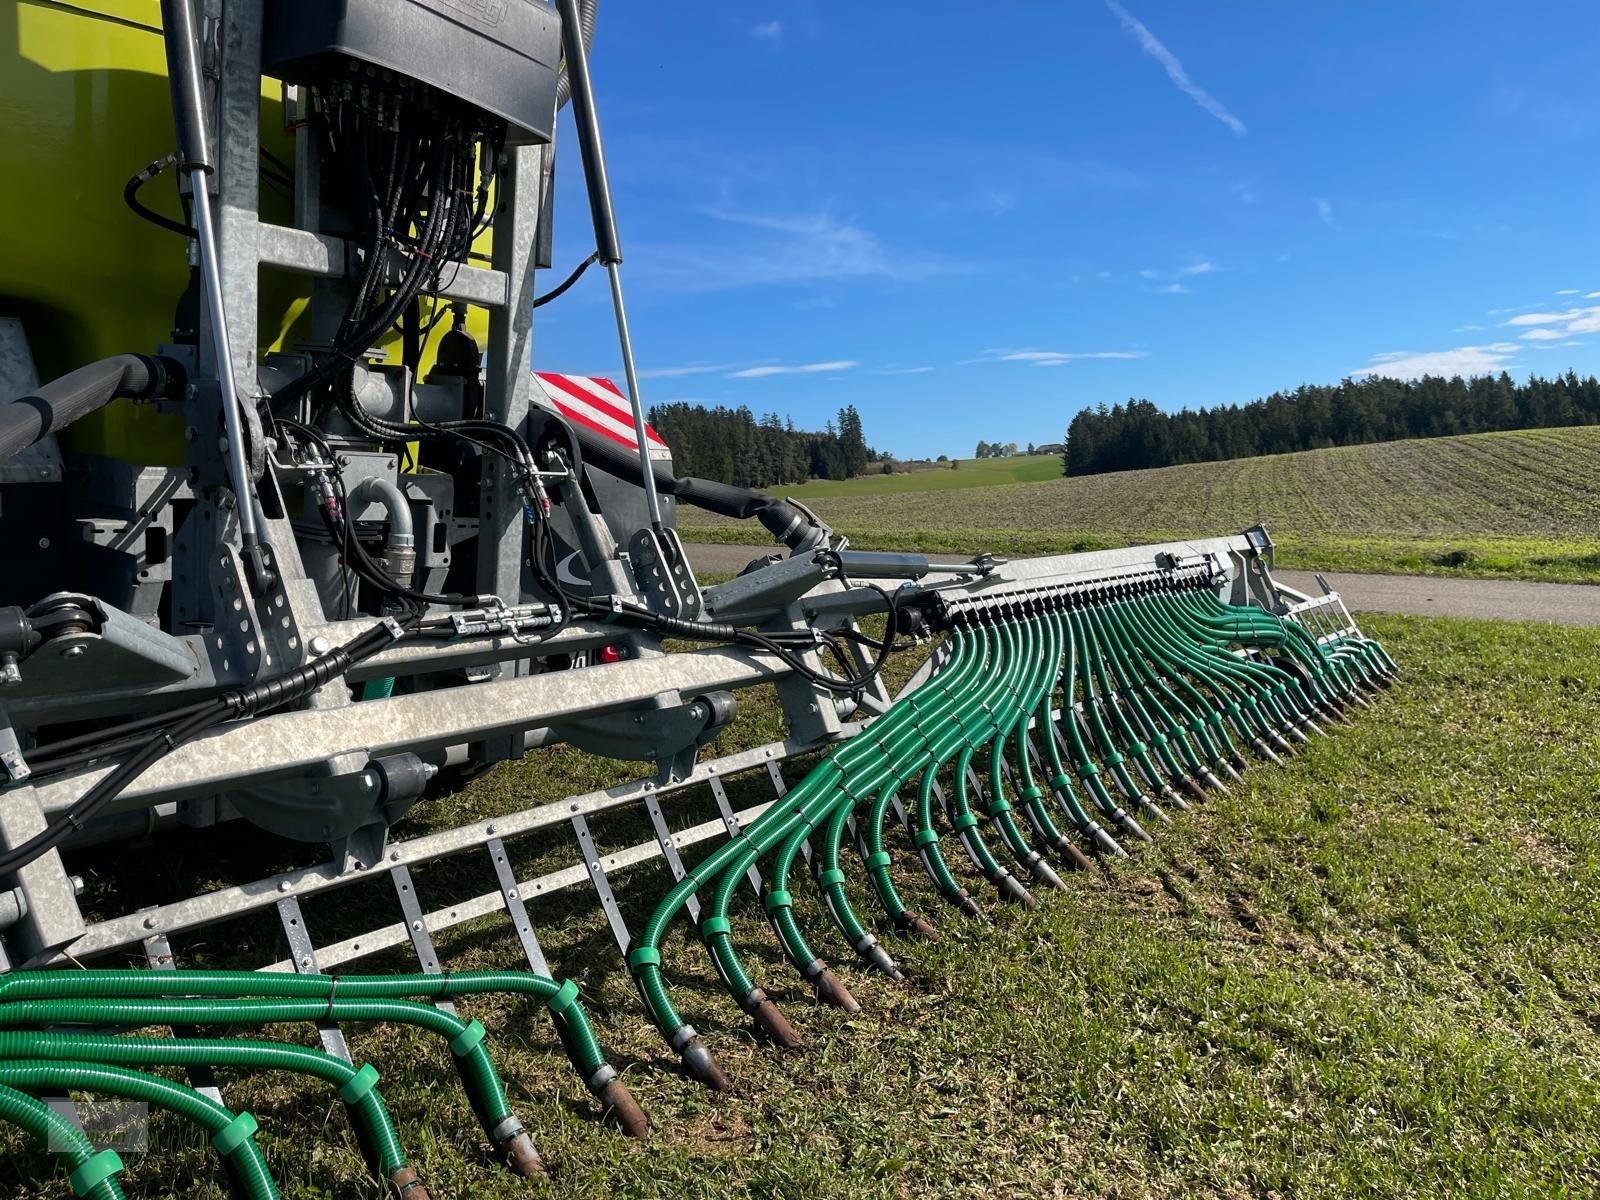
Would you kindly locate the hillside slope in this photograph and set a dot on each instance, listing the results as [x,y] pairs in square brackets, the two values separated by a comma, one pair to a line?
[1523,504]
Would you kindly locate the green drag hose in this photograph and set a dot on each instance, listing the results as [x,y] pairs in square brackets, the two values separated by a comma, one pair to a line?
[93,1174]
[231,1135]
[479,1077]
[368,1114]
[560,998]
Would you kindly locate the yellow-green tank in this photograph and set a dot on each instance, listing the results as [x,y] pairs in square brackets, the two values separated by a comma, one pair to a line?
[84,105]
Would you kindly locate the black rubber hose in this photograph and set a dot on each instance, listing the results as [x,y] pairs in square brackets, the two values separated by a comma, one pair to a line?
[786,523]
[76,394]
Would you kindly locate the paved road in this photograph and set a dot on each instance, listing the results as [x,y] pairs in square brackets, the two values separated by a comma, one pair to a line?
[1562,603]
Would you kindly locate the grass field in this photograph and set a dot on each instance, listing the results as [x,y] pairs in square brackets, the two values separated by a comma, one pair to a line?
[1509,505]
[968,473]
[1374,972]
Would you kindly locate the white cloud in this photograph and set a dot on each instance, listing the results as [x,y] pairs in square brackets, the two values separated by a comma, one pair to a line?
[1591,295]
[1567,291]
[1543,335]
[1152,45]
[841,364]
[768,31]
[1053,358]
[1324,212]
[680,372]
[1467,329]
[902,370]
[1464,360]
[1172,289]
[1547,326]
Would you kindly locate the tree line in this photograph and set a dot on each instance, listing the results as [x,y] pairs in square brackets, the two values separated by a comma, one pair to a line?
[1126,437]
[730,445]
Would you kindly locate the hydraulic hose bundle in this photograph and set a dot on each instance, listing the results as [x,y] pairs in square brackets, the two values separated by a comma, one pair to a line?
[1088,709]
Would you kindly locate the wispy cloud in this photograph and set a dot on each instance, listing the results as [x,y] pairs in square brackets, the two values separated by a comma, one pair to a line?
[778,249]
[1324,212]
[1567,291]
[1591,295]
[1463,360]
[768,31]
[1052,358]
[902,370]
[680,372]
[1200,267]
[1244,192]
[816,368]
[1548,326]
[1153,46]
[1172,289]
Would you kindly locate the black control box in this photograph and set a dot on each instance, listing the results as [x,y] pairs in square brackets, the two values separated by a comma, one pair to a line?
[502,56]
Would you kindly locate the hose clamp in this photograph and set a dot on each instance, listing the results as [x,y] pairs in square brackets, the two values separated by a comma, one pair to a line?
[505,1131]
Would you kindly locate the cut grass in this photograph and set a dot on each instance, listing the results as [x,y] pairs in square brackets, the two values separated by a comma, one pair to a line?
[1374,972]
[1520,505]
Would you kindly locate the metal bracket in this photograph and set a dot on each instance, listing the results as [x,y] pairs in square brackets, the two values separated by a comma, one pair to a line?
[304,956]
[515,908]
[602,886]
[158,953]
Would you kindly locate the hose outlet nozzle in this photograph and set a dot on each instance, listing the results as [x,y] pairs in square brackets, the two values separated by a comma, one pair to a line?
[407,1186]
[699,1063]
[1011,889]
[1071,855]
[619,1101]
[521,1157]
[878,958]
[770,1019]
[910,922]
[831,989]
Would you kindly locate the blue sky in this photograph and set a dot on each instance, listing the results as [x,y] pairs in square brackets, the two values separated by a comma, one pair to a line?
[971,219]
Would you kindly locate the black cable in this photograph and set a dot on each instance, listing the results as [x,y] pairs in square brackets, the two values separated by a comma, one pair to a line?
[240,702]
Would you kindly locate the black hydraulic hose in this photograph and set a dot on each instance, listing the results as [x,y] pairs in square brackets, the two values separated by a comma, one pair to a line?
[78,393]
[566,284]
[785,522]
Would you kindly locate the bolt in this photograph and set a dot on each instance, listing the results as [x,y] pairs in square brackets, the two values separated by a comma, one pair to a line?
[77,884]
[320,645]
[395,857]
[72,652]
[305,963]
[417,925]
[283,885]
[491,830]
[150,922]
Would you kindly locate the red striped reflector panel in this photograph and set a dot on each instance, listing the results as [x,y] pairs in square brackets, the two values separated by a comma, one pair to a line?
[598,405]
